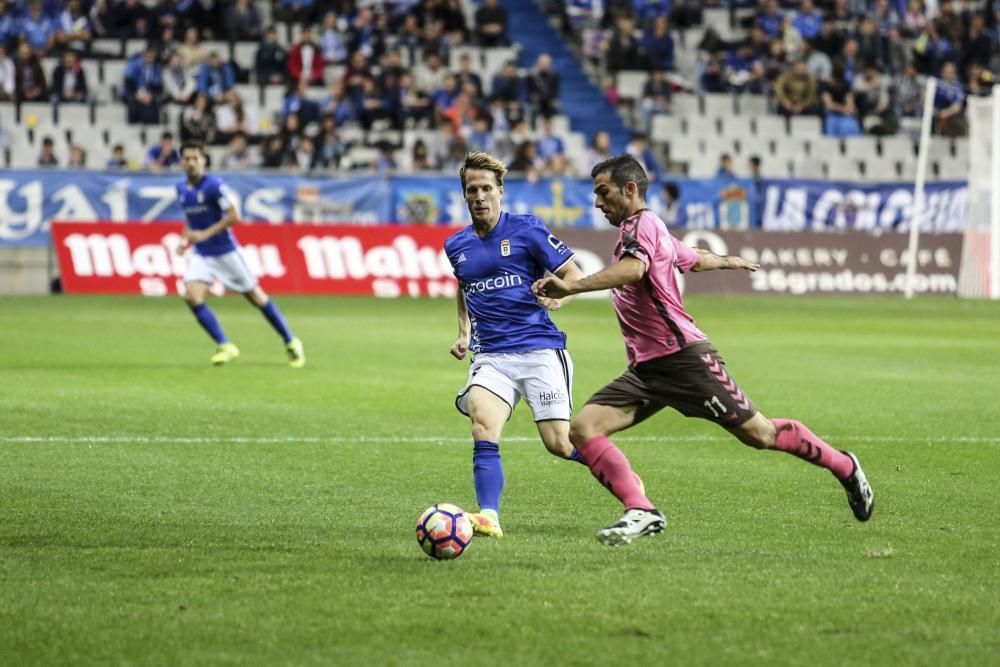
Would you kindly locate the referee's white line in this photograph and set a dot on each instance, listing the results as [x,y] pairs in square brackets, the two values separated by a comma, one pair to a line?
[391,439]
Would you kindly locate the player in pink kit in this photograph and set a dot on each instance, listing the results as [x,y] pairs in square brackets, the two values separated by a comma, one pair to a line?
[670,361]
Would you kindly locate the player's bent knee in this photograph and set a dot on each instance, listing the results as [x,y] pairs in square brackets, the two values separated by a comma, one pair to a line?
[580,431]
[562,448]
[757,432]
[481,431]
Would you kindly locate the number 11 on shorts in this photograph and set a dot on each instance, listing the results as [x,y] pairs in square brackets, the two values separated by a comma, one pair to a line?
[716,406]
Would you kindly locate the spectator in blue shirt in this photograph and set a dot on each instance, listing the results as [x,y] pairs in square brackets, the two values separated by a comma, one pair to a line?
[215,78]
[949,103]
[646,10]
[117,162]
[9,28]
[270,59]
[770,19]
[37,28]
[297,11]
[809,20]
[297,103]
[547,144]
[143,85]
[163,155]
[658,45]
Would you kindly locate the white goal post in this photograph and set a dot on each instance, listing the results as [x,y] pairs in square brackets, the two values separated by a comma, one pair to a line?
[980,269]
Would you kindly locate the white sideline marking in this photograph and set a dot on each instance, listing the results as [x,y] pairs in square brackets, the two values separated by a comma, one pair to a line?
[390,439]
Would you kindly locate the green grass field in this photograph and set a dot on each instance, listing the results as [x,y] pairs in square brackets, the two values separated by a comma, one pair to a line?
[157,511]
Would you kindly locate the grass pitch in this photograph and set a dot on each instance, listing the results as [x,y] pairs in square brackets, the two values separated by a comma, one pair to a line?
[157,511]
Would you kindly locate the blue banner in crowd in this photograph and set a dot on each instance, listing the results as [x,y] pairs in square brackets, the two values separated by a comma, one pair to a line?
[31,199]
[792,205]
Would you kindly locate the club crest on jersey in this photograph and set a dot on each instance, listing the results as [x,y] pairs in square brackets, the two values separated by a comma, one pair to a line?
[201,197]
[505,248]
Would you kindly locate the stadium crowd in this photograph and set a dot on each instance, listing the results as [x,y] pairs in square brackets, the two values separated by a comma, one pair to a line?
[859,65]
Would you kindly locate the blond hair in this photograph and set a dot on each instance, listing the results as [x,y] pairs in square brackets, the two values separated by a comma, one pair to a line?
[485,162]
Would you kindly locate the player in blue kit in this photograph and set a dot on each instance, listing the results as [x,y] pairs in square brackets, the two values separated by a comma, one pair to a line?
[210,214]
[517,351]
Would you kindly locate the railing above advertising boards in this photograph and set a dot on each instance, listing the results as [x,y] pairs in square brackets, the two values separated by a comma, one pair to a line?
[31,199]
[398,261]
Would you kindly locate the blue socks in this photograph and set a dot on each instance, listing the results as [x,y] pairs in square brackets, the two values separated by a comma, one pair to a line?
[206,318]
[487,474]
[277,321]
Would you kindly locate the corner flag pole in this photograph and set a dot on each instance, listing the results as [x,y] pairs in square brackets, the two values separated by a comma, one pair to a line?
[917,214]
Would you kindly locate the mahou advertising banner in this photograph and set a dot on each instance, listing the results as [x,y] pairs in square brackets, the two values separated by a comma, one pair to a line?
[136,258]
[396,261]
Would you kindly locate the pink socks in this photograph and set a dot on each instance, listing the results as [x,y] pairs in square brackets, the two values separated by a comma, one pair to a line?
[608,464]
[795,438]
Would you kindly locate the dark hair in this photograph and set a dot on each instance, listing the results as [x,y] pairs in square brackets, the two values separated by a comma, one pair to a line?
[672,190]
[167,135]
[755,160]
[192,145]
[624,169]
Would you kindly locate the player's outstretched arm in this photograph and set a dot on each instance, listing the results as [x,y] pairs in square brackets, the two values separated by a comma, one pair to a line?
[461,345]
[627,270]
[707,261]
[567,272]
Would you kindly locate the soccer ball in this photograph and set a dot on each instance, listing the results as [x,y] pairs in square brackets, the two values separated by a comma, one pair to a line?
[444,531]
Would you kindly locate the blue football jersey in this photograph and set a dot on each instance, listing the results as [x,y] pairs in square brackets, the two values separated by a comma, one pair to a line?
[204,204]
[496,272]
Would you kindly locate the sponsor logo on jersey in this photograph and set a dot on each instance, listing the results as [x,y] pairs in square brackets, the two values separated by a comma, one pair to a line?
[503,281]
[461,258]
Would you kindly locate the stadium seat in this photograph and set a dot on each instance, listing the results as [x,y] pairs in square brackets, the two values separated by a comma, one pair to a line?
[842,168]
[474,53]
[73,116]
[908,169]
[820,148]
[861,148]
[629,84]
[134,47]
[897,148]
[962,151]
[880,168]
[361,157]
[806,168]
[272,99]
[107,48]
[113,73]
[685,105]
[250,93]
[702,165]
[245,54]
[35,114]
[805,126]
[749,144]
[939,148]
[751,105]
[775,168]
[771,126]
[683,147]
[667,127]
[737,127]
[718,104]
